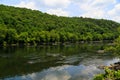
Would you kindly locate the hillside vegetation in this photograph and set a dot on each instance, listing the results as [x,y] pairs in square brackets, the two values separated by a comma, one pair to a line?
[21,25]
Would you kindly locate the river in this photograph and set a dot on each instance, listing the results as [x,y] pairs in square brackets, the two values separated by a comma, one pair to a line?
[58,62]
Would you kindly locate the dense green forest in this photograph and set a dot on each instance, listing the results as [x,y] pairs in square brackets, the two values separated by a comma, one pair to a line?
[21,25]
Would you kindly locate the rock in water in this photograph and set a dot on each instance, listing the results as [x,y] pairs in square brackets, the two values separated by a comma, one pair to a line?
[115,66]
[100,51]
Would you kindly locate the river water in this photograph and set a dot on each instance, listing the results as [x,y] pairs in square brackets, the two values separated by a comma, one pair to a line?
[58,62]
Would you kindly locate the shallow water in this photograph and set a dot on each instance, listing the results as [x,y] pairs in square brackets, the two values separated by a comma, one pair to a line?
[60,62]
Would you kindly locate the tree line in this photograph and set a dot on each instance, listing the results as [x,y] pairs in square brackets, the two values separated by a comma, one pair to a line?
[21,25]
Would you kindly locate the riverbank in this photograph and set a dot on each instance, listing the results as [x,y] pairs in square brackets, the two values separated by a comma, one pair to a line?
[5,44]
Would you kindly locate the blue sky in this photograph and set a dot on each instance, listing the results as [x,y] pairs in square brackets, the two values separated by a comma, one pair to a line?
[106,9]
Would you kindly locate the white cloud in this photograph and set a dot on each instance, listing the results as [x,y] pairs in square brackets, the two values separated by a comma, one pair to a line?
[56,3]
[114,13]
[58,12]
[29,5]
[94,14]
[94,4]
[95,8]
[103,3]
[115,10]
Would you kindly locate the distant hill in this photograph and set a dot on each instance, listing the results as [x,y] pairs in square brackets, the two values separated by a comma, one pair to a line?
[21,25]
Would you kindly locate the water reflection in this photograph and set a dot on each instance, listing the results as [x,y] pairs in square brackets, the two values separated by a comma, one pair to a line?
[65,72]
[71,62]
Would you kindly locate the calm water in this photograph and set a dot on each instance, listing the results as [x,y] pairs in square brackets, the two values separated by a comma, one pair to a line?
[61,62]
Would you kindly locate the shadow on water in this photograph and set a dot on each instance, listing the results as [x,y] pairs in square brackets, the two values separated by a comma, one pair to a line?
[60,62]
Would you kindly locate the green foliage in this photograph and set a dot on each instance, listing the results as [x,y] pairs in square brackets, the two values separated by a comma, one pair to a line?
[4,44]
[31,26]
[110,49]
[11,36]
[109,75]
[24,37]
[3,32]
[114,48]
[99,77]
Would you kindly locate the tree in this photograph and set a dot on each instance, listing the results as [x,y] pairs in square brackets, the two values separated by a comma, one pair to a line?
[23,37]
[31,26]
[3,33]
[11,36]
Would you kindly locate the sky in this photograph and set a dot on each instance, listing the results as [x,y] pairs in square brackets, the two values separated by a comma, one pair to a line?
[100,9]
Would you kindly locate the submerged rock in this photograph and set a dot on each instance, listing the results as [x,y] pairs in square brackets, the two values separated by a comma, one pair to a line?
[115,66]
[100,51]
[101,67]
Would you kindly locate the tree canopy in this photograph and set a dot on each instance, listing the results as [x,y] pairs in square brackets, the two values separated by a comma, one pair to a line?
[21,25]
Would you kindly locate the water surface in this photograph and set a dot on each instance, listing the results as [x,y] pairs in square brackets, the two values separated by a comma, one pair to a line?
[58,62]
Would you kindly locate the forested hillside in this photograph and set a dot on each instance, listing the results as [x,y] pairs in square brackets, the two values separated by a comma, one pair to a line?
[20,25]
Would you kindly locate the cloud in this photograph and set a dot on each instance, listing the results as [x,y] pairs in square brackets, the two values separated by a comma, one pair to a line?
[56,3]
[29,5]
[95,8]
[94,14]
[94,4]
[58,12]
[114,13]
